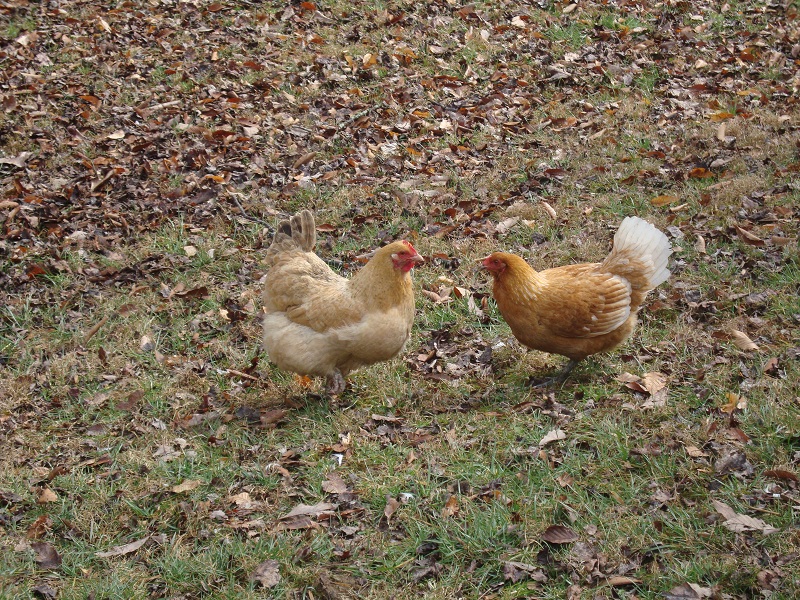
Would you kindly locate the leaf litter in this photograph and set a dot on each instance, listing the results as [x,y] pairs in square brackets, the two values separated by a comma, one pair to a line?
[229,141]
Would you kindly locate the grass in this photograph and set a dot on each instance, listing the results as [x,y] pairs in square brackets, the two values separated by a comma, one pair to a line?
[114,427]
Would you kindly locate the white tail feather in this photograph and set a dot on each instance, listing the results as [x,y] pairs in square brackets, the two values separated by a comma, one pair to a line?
[651,245]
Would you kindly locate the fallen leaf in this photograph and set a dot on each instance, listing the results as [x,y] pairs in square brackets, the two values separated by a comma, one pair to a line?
[781,474]
[663,200]
[748,238]
[242,500]
[695,452]
[44,591]
[549,209]
[39,527]
[506,224]
[304,159]
[190,251]
[654,382]
[734,402]
[559,534]
[739,522]
[187,486]
[305,510]
[700,245]
[741,341]
[146,344]
[392,504]
[267,574]
[688,591]
[552,436]
[700,173]
[618,580]
[18,161]
[46,496]
[123,549]
[46,555]
[450,506]
[334,484]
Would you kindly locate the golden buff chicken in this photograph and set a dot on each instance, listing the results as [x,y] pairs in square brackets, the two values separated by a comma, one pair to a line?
[583,309]
[319,323]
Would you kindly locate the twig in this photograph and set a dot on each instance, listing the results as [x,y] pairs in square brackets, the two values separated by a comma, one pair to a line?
[162,105]
[244,212]
[354,117]
[103,181]
[95,329]
[240,374]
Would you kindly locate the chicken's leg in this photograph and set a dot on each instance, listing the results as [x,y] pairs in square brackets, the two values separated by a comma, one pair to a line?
[558,377]
[335,383]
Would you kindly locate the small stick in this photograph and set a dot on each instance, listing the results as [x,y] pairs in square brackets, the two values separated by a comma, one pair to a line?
[244,212]
[95,329]
[240,374]
[103,181]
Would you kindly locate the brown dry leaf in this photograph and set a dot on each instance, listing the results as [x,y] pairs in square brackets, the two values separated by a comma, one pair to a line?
[123,549]
[392,504]
[190,251]
[46,496]
[565,480]
[663,200]
[559,534]
[242,500]
[437,297]
[700,173]
[721,116]
[46,555]
[738,522]
[267,574]
[695,452]
[146,344]
[549,209]
[749,238]
[334,484]
[39,527]
[781,474]
[321,508]
[552,436]
[187,486]
[44,591]
[619,580]
[503,226]
[700,244]
[688,591]
[654,382]
[734,401]
[299,522]
[450,507]
[304,159]
[741,341]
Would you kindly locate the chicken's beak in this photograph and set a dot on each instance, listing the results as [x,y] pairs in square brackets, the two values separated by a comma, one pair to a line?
[417,258]
[480,266]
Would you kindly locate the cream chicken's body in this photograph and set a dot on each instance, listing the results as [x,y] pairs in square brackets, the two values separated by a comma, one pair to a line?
[319,323]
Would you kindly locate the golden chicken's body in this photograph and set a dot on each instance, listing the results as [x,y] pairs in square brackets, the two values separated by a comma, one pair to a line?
[319,323]
[579,310]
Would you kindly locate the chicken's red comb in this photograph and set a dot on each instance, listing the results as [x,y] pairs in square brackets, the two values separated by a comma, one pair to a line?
[410,247]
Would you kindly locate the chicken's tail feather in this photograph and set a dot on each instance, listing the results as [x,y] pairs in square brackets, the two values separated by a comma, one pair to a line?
[640,252]
[297,232]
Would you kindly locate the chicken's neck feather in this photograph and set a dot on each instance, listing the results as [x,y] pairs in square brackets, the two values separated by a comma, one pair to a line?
[381,283]
[520,281]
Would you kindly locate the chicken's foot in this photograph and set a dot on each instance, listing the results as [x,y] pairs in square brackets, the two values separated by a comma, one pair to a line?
[558,378]
[335,383]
